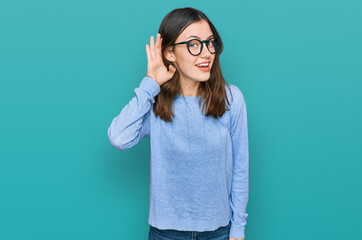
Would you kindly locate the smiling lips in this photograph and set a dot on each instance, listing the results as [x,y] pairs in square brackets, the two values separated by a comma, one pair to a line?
[204,66]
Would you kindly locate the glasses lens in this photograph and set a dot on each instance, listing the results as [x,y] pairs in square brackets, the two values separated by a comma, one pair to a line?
[195,47]
[213,45]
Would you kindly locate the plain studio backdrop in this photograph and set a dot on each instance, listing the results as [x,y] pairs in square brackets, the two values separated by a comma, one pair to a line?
[67,68]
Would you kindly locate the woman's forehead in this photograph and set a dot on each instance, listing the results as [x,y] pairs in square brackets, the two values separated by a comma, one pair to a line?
[199,29]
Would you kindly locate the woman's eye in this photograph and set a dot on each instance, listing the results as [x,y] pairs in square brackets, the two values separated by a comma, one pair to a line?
[193,45]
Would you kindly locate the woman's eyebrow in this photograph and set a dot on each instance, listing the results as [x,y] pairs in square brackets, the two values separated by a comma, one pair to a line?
[194,36]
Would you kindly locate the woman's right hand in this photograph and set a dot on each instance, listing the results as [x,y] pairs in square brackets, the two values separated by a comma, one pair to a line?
[156,69]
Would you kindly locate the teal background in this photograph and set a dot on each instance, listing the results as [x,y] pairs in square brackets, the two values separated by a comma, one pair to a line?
[67,68]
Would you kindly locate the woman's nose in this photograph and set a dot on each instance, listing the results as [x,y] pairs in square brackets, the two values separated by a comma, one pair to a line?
[205,51]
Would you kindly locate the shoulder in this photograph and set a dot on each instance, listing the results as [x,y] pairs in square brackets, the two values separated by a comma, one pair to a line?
[234,95]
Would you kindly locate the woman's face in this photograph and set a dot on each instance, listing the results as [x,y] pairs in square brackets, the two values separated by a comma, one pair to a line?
[184,61]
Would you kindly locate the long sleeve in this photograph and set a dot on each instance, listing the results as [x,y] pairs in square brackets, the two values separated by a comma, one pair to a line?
[133,122]
[240,177]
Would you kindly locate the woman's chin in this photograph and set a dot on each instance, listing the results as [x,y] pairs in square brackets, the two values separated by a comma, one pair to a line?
[206,78]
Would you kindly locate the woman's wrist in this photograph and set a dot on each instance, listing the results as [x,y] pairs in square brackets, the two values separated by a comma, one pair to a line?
[153,79]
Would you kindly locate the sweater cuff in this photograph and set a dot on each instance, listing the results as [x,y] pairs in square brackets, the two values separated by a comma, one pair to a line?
[151,86]
[237,232]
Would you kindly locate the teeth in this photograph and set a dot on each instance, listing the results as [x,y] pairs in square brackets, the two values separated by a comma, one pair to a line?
[203,65]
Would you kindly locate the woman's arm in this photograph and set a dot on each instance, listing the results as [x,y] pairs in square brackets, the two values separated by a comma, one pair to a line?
[240,177]
[133,123]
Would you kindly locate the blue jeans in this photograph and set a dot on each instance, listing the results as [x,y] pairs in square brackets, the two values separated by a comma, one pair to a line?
[222,233]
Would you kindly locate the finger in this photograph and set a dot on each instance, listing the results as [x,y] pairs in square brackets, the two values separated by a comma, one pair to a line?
[158,45]
[159,41]
[152,45]
[172,69]
[160,51]
[148,54]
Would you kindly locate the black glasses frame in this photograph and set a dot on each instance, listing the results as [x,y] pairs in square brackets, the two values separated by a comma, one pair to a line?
[202,45]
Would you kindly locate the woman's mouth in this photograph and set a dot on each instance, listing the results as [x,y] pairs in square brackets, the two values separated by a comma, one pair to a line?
[204,66]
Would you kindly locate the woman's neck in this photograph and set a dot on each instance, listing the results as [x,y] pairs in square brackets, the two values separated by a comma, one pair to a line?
[189,88]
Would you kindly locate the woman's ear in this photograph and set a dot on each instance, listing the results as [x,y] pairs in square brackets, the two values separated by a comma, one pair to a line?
[169,54]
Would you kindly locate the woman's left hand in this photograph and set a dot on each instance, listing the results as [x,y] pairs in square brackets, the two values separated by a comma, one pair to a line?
[236,239]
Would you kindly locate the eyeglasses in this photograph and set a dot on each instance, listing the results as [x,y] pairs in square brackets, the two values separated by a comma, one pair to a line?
[195,46]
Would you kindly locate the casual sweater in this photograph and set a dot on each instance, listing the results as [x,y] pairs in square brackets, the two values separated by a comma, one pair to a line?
[199,165]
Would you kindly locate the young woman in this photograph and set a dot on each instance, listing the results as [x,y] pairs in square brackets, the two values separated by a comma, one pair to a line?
[199,182]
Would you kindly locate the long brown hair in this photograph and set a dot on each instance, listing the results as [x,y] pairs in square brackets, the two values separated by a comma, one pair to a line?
[212,92]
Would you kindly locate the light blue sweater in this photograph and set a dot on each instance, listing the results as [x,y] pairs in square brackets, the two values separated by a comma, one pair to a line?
[199,165]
